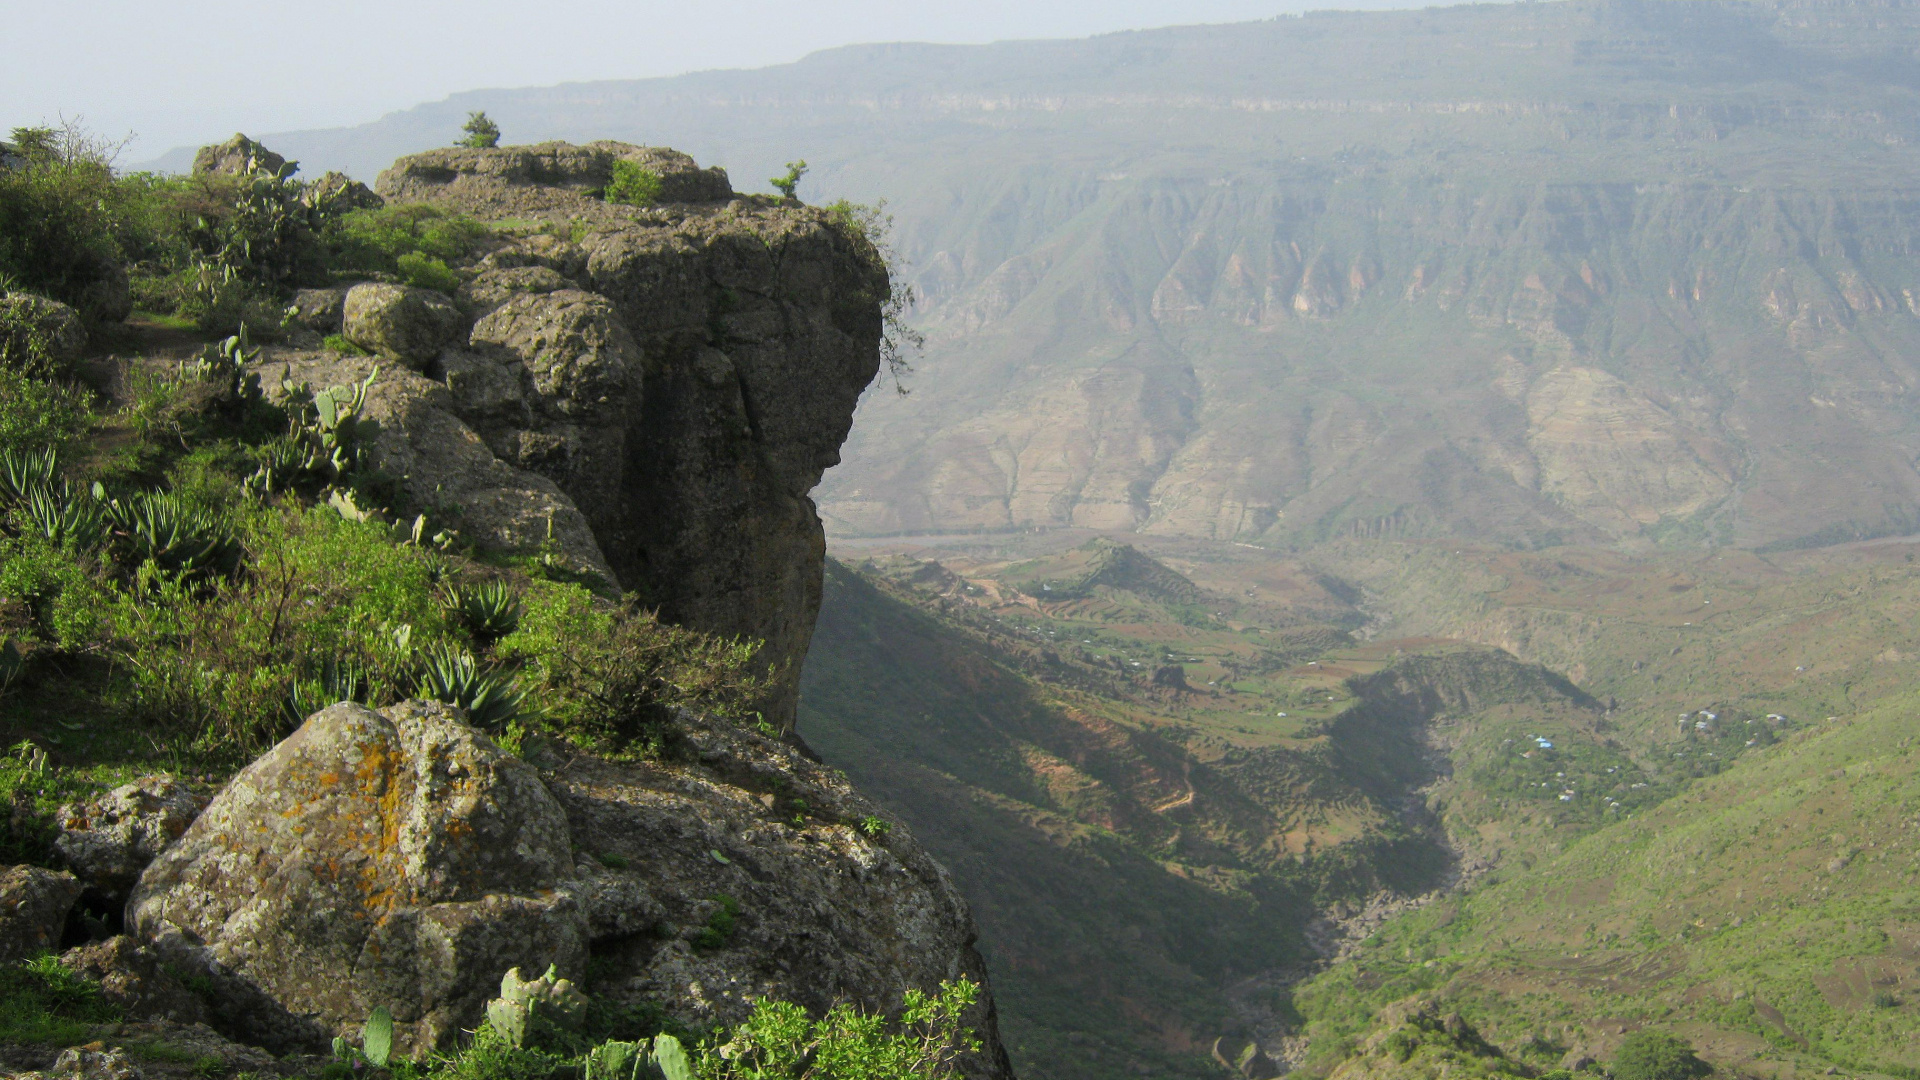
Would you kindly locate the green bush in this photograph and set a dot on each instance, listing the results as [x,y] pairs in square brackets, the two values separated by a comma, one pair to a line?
[479,132]
[607,675]
[1652,1055]
[779,1041]
[414,243]
[633,184]
[38,413]
[60,213]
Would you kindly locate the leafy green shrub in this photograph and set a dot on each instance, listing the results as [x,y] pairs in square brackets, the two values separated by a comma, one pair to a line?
[479,132]
[37,413]
[1652,1055]
[423,271]
[790,183]
[606,675]
[338,343]
[872,226]
[373,242]
[780,1042]
[60,213]
[633,184]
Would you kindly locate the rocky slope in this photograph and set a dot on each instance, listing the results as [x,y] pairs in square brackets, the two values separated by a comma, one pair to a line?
[640,398]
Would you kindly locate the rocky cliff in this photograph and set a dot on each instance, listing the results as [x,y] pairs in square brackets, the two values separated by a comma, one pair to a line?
[640,399]
[664,385]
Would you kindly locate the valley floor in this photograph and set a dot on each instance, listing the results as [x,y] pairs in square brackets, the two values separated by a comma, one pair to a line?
[1218,805]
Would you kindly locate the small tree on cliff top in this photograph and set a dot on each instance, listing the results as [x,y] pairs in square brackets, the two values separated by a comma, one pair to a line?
[482,132]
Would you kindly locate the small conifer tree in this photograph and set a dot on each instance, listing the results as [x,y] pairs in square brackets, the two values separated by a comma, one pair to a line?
[482,132]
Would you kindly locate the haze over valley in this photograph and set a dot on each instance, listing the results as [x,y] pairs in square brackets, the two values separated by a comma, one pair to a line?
[1392,552]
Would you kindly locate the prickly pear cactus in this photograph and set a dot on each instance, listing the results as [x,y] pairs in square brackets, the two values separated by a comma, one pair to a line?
[522,1001]
[615,1060]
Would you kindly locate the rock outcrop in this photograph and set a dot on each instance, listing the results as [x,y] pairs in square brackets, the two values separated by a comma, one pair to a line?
[133,977]
[397,858]
[539,177]
[232,157]
[683,373]
[109,840]
[33,910]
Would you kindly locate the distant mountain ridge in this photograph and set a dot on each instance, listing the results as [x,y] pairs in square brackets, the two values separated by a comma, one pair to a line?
[1595,270]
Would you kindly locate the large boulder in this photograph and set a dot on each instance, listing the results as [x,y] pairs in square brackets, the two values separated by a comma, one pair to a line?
[399,322]
[442,465]
[394,858]
[38,332]
[109,840]
[734,868]
[34,903]
[232,157]
[580,375]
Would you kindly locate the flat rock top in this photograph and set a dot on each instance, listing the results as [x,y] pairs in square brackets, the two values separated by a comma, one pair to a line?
[545,178]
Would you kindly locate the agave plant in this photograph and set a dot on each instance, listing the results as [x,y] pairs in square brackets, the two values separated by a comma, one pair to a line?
[66,518]
[452,675]
[490,608]
[22,472]
[180,538]
[339,681]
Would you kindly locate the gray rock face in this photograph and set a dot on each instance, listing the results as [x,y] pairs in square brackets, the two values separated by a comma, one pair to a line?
[110,840]
[395,858]
[395,321]
[442,464]
[578,378]
[230,158]
[493,287]
[822,911]
[33,910]
[321,310]
[340,192]
[25,317]
[89,1063]
[132,976]
[529,177]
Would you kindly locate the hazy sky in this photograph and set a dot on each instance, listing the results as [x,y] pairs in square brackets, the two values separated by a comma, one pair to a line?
[191,71]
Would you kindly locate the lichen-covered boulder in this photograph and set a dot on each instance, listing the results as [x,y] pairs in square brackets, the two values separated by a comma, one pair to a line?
[109,840]
[132,976]
[400,322]
[734,868]
[37,331]
[34,903]
[230,158]
[337,193]
[495,286]
[393,858]
[320,310]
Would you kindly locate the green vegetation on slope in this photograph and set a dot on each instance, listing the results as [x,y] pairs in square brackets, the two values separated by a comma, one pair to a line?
[1131,850]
